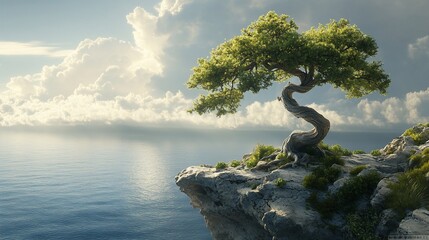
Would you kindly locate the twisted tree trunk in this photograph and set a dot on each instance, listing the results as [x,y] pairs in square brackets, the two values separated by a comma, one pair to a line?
[299,142]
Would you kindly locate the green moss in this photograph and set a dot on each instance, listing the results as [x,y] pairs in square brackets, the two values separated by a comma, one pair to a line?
[356,170]
[359,152]
[321,177]
[280,182]
[235,163]
[362,225]
[221,165]
[259,152]
[284,158]
[376,153]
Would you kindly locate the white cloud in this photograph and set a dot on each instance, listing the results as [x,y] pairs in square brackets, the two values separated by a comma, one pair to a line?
[109,81]
[31,49]
[419,48]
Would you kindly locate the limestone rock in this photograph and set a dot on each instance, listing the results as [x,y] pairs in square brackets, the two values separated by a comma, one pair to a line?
[381,192]
[233,210]
[245,204]
[416,223]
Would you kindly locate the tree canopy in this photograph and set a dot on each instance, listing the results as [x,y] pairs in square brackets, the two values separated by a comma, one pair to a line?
[272,50]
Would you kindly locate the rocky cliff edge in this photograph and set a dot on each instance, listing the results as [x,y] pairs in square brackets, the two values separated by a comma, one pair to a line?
[246,203]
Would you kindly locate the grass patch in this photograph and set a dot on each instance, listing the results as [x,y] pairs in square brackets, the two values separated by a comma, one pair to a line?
[376,153]
[417,137]
[346,196]
[321,177]
[235,163]
[335,149]
[356,170]
[359,152]
[411,191]
[259,152]
[221,165]
[362,225]
[280,182]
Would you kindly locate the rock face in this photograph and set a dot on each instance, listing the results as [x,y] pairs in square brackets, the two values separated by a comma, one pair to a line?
[416,223]
[240,203]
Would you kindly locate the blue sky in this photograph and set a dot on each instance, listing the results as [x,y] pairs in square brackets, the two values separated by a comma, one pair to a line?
[126,62]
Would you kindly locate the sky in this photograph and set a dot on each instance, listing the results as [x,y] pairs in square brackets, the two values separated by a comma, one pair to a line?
[108,62]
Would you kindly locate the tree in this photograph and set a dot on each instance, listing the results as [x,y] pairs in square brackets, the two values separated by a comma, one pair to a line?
[272,50]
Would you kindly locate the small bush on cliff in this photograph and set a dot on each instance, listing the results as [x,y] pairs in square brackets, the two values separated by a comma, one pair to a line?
[221,165]
[359,152]
[346,196]
[284,158]
[235,163]
[356,170]
[411,191]
[376,153]
[335,149]
[418,137]
[321,177]
[259,152]
[280,182]
[362,225]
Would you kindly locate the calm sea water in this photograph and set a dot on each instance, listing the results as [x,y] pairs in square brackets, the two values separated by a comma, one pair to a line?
[120,184]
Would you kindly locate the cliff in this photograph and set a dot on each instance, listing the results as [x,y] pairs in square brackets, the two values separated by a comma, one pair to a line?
[266,202]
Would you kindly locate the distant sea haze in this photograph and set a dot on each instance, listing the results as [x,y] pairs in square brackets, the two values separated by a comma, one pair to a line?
[95,185]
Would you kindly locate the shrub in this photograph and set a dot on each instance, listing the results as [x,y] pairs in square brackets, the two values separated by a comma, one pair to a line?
[258,153]
[359,152]
[280,182]
[221,165]
[235,163]
[376,153]
[340,151]
[328,161]
[321,177]
[411,191]
[362,226]
[335,149]
[356,170]
[417,137]
[418,160]
[346,196]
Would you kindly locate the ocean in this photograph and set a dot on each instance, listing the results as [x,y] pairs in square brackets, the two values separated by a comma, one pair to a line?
[119,183]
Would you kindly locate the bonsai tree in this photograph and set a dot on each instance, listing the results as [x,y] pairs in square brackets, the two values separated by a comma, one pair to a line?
[272,50]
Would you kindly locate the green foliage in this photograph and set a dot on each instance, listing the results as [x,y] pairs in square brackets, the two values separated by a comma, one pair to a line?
[362,225]
[416,136]
[235,163]
[346,196]
[376,153]
[280,182]
[272,49]
[338,150]
[258,153]
[356,170]
[328,161]
[412,189]
[321,177]
[221,165]
[359,152]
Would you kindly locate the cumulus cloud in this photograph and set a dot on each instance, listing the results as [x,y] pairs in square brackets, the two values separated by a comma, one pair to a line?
[8,48]
[109,81]
[420,48]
